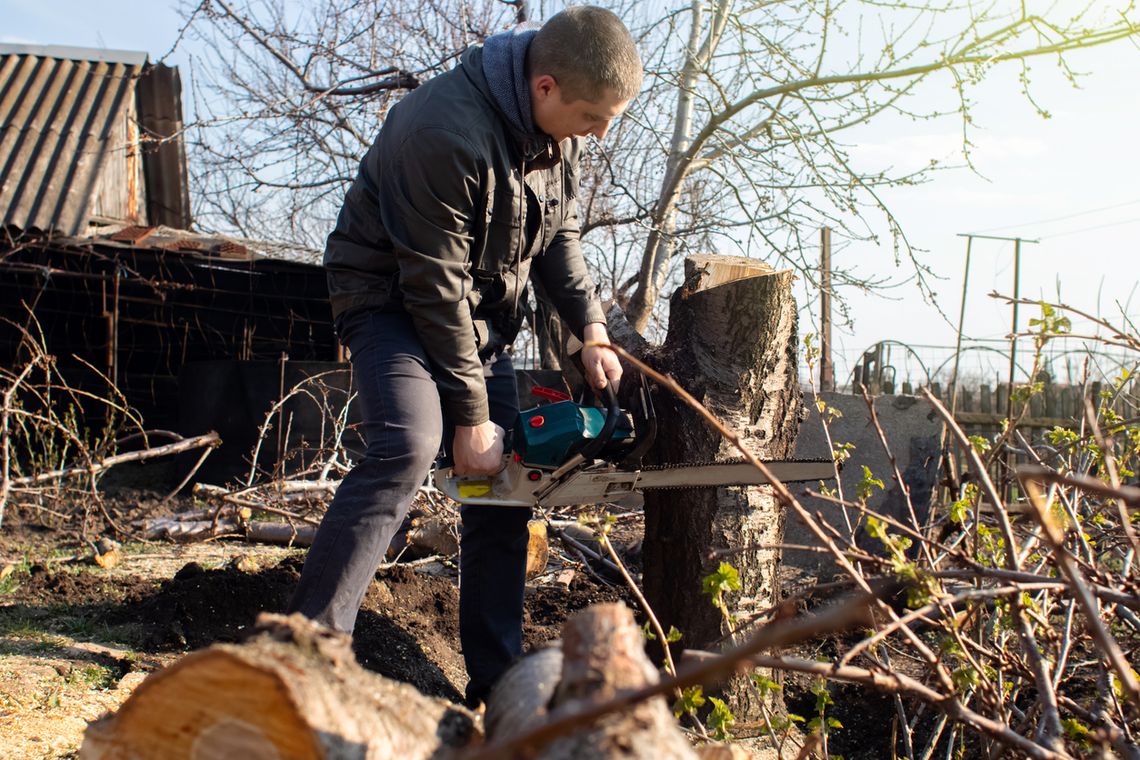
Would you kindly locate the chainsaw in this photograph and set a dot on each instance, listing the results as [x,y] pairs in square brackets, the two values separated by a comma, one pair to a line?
[565,453]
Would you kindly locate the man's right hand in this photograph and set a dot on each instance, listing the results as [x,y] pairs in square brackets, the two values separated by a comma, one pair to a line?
[478,450]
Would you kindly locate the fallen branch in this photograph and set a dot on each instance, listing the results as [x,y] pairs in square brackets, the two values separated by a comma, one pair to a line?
[189,531]
[189,444]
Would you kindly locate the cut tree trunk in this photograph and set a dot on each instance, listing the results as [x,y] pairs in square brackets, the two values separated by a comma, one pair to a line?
[293,691]
[602,655]
[732,343]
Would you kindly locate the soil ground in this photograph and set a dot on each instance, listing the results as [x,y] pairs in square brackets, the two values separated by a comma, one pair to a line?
[76,639]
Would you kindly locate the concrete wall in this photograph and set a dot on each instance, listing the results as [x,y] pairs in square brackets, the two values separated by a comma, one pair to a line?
[914,433]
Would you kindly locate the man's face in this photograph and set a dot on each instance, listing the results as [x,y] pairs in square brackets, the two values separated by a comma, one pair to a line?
[561,120]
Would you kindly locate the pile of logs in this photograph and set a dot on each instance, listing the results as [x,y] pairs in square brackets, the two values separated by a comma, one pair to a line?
[295,690]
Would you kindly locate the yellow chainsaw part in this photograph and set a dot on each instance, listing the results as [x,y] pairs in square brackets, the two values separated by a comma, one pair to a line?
[473,489]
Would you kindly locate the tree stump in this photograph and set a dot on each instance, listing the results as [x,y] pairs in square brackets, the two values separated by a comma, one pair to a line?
[732,343]
[293,691]
[602,655]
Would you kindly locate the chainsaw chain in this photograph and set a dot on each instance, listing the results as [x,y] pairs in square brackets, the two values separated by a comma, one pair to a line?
[686,465]
[717,462]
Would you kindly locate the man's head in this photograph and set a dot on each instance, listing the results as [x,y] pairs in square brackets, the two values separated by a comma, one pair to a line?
[584,69]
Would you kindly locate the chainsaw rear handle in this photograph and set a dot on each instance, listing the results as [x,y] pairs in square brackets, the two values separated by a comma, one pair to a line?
[613,413]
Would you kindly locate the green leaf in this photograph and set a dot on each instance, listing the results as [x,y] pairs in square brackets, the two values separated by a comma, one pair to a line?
[1075,731]
[822,696]
[720,720]
[647,633]
[726,578]
[841,452]
[1118,687]
[764,684]
[1060,436]
[876,528]
[690,699]
[965,678]
[673,636]
[865,488]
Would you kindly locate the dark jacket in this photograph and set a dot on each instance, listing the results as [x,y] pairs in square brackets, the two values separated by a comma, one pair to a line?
[441,223]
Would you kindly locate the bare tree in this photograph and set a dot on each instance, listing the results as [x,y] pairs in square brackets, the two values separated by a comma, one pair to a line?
[735,143]
[288,97]
[739,135]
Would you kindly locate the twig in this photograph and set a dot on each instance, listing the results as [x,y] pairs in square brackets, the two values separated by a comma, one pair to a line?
[787,499]
[1055,536]
[585,550]
[1051,719]
[894,681]
[670,666]
[193,471]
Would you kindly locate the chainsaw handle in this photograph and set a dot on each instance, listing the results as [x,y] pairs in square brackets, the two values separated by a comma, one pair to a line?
[613,413]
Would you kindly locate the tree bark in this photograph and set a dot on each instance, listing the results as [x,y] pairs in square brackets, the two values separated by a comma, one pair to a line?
[732,343]
[603,654]
[293,691]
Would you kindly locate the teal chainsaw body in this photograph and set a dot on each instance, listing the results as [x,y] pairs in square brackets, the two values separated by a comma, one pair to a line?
[568,453]
[548,436]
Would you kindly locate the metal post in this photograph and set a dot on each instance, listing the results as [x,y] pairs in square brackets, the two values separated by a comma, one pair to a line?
[1011,488]
[1013,332]
[826,365]
[114,336]
[961,325]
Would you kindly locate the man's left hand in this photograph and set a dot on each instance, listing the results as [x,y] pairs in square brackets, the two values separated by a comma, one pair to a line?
[600,362]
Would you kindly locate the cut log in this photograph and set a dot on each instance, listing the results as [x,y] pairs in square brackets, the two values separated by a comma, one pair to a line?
[602,656]
[262,531]
[537,549]
[732,343]
[294,690]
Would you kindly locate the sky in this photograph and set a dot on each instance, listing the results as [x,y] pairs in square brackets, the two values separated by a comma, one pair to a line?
[1070,182]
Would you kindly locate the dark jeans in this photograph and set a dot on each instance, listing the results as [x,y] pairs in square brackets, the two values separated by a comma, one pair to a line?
[403,428]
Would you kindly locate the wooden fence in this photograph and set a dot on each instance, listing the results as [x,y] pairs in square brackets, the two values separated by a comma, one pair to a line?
[1057,405]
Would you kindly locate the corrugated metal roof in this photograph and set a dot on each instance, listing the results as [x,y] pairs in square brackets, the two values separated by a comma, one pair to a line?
[57,118]
[198,243]
[66,52]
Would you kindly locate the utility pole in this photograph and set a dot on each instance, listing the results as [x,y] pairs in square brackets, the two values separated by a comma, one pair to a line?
[826,365]
[1017,241]
[961,324]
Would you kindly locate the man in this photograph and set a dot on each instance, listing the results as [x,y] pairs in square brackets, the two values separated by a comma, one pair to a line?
[470,186]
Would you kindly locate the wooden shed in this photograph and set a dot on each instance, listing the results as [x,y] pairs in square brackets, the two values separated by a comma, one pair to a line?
[97,246]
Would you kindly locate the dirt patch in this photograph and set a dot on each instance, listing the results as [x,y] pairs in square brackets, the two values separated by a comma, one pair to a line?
[547,607]
[408,629]
[198,607]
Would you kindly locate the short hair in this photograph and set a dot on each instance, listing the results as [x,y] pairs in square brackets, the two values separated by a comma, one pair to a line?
[587,50]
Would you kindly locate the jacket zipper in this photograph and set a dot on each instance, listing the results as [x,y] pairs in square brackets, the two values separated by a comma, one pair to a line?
[522,236]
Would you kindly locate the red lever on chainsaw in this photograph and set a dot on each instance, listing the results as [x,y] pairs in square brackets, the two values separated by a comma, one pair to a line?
[550,394]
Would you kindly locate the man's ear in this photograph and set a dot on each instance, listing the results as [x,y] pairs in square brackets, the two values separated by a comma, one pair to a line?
[543,86]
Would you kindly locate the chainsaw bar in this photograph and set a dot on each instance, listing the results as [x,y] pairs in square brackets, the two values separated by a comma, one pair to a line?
[595,485]
[732,472]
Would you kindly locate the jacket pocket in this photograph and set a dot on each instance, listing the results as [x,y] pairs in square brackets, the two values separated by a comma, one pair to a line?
[504,235]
